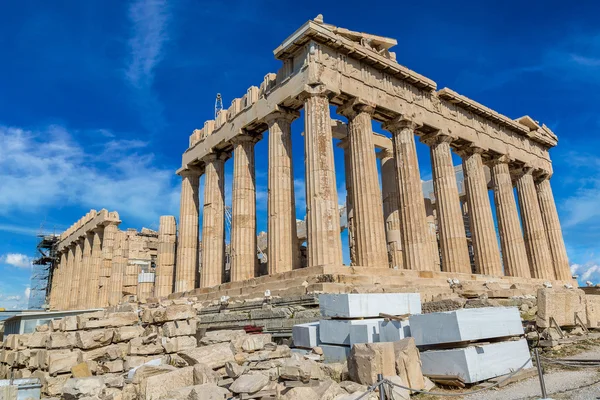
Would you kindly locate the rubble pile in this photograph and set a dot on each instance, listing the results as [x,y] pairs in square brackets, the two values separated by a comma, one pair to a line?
[157,352]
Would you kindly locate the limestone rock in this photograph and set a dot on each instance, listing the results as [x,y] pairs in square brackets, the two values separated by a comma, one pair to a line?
[38,340]
[255,342]
[77,388]
[408,363]
[59,362]
[395,392]
[157,386]
[234,370]
[68,323]
[249,383]
[87,340]
[54,384]
[114,320]
[369,359]
[336,371]
[146,371]
[207,391]
[214,337]
[215,355]
[178,343]
[180,328]
[297,369]
[141,346]
[126,333]
[111,366]
[562,304]
[352,387]
[111,352]
[174,313]
[61,340]
[204,374]
[81,370]
[328,390]
[301,393]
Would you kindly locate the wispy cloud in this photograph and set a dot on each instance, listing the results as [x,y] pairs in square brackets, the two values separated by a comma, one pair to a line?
[16,260]
[61,172]
[149,33]
[20,230]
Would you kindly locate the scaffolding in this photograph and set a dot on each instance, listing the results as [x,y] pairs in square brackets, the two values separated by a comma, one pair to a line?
[42,271]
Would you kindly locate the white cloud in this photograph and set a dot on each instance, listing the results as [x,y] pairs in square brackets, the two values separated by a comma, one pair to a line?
[16,260]
[589,271]
[27,292]
[47,168]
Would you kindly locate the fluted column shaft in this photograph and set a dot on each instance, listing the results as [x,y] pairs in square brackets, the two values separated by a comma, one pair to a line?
[282,249]
[93,286]
[367,205]
[77,273]
[322,209]
[213,222]
[187,248]
[165,271]
[244,262]
[536,241]
[108,246]
[451,228]
[481,222]
[512,243]
[57,282]
[416,245]
[349,207]
[84,279]
[391,204]
[556,243]
[65,297]
[119,264]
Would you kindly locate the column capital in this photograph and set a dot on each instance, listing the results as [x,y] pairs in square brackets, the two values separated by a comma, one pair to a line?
[469,150]
[191,171]
[499,159]
[281,113]
[221,156]
[431,139]
[385,153]
[399,123]
[319,90]
[355,106]
[246,137]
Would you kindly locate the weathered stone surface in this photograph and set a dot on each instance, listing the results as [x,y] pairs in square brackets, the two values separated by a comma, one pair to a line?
[107,367]
[408,363]
[157,386]
[352,387]
[249,383]
[299,369]
[256,342]
[395,392]
[204,374]
[140,347]
[221,336]
[369,359]
[179,343]
[59,362]
[87,340]
[54,384]
[234,370]
[301,393]
[207,391]
[328,390]
[77,388]
[215,355]
[68,323]
[562,304]
[111,352]
[174,313]
[180,328]
[38,340]
[115,320]
[81,370]
[60,340]
[126,333]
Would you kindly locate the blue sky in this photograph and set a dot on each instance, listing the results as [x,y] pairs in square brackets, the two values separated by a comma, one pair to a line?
[98,98]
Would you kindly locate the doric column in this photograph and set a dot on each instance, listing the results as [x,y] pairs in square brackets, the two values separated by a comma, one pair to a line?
[349,208]
[108,246]
[64,300]
[451,228]
[244,262]
[391,204]
[481,222]
[93,286]
[536,241]
[84,278]
[556,243]
[187,247]
[58,281]
[512,243]
[213,221]
[322,208]
[282,251]
[120,259]
[165,269]
[432,231]
[416,246]
[367,205]
[77,273]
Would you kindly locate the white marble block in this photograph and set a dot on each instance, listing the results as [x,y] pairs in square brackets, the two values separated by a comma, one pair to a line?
[306,335]
[337,331]
[477,363]
[335,354]
[466,324]
[365,305]
[393,331]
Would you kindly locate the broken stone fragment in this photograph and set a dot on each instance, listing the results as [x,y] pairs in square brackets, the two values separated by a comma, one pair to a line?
[215,355]
[408,363]
[38,339]
[249,383]
[156,387]
[61,340]
[173,313]
[255,342]
[213,337]
[234,370]
[369,359]
[60,362]
[180,328]
[126,333]
[142,347]
[301,393]
[114,320]
[179,343]
[204,374]
[77,388]
[87,340]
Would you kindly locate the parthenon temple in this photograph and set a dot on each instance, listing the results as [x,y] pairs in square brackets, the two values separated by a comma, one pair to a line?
[399,238]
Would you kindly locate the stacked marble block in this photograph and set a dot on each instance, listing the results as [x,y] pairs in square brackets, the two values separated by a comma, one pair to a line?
[354,318]
[463,329]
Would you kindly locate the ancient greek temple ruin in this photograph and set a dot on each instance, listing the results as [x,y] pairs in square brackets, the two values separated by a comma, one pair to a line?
[398,238]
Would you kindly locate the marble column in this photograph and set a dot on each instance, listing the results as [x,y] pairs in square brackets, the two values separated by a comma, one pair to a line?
[244,262]
[322,207]
[165,269]
[367,205]
[536,241]
[57,281]
[416,245]
[187,246]
[451,228]
[556,243]
[77,273]
[481,220]
[64,301]
[84,278]
[119,264]
[93,286]
[282,250]
[512,243]
[391,204]
[108,246]
[213,221]
[349,207]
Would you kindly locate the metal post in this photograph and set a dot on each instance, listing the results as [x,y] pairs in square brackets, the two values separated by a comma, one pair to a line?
[540,373]
[381,387]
